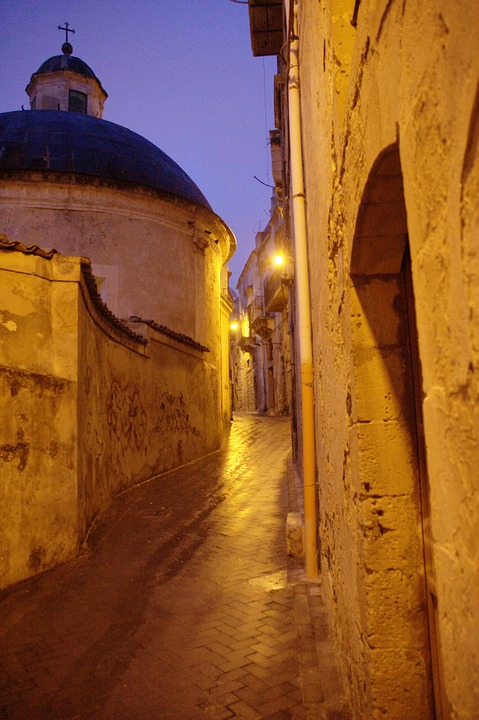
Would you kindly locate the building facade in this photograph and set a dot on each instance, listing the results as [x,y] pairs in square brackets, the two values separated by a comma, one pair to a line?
[388,148]
[114,351]
[261,341]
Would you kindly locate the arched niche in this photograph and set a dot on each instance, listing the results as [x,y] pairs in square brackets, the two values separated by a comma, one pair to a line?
[393,498]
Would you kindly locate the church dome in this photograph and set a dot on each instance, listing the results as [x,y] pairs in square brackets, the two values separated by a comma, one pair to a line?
[66,62]
[65,82]
[69,142]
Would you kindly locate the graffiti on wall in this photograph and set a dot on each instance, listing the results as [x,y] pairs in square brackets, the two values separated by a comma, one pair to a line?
[173,415]
[126,415]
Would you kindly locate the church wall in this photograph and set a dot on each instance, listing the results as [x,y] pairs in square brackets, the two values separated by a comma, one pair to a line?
[89,412]
[154,257]
[151,254]
[413,79]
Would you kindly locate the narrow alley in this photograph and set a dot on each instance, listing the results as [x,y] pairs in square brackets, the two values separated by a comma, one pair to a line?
[182,605]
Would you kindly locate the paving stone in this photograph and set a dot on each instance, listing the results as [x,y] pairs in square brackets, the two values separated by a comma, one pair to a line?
[253,683]
[244,711]
[235,674]
[222,688]
[177,617]
[281,703]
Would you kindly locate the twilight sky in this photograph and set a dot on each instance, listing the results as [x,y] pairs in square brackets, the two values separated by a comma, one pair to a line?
[180,73]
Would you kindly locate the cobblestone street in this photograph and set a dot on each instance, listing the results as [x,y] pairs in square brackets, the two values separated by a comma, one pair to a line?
[182,605]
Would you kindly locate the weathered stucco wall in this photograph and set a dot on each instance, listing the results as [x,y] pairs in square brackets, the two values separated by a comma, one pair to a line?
[140,415]
[88,410]
[39,440]
[412,91]
[155,257]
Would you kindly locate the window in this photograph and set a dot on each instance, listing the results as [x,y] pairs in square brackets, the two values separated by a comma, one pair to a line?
[77,102]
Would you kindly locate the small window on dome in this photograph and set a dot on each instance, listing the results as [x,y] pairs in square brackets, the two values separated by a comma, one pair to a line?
[77,102]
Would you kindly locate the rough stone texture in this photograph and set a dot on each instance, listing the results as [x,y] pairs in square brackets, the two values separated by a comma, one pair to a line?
[390,137]
[295,535]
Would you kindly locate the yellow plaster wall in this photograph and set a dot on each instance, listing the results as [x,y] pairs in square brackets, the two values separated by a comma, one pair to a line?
[341,45]
[39,432]
[87,412]
[413,80]
[140,415]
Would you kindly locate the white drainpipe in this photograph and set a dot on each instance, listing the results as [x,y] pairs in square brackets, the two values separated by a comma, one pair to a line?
[303,306]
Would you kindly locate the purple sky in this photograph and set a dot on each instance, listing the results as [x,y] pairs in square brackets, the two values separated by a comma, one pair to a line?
[179,73]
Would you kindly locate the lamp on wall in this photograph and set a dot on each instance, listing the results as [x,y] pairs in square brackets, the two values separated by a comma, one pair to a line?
[283,264]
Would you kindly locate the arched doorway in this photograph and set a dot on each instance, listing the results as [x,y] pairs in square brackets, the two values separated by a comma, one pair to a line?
[395,566]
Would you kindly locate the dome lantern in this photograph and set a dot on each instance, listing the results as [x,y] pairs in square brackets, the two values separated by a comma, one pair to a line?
[65,82]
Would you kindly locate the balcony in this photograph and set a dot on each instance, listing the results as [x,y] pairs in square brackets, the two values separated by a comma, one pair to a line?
[262,326]
[255,309]
[259,322]
[266,26]
[276,291]
[248,343]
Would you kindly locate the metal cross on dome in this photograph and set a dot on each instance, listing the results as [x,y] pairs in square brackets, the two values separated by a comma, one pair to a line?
[67,30]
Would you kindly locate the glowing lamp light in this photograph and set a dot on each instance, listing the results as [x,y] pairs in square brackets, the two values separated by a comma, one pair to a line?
[234,325]
[278,259]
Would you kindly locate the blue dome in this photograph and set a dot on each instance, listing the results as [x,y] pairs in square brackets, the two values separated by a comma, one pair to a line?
[79,144]
[65,62]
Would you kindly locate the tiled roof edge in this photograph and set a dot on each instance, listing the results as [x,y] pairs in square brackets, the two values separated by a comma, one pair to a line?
[16,245]
[112,320]
[185,339]
[106,314]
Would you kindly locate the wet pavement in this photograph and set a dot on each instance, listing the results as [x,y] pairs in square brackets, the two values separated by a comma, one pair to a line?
[183,605]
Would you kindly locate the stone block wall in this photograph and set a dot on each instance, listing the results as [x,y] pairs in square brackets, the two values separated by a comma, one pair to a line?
[390,119]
